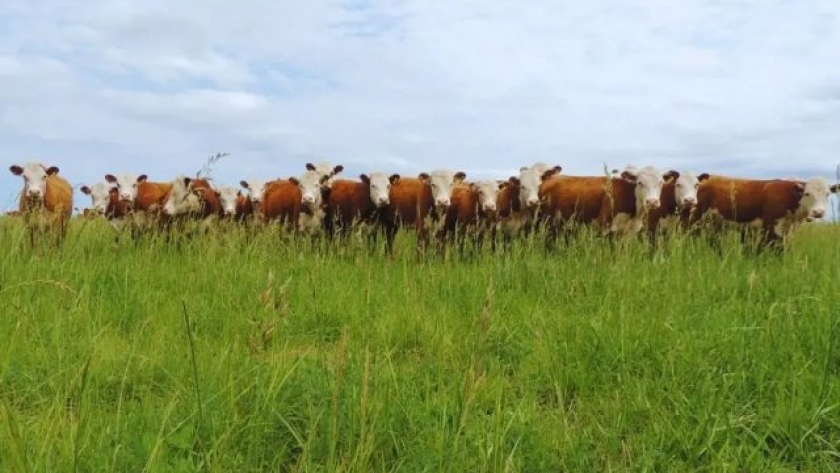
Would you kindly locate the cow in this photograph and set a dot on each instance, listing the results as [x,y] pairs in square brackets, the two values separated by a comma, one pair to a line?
[235,205]
[256,194]
[144,200]
[282,202]
[518,202]
[774,207]
[614,204]
[312,186]
[472,209]
[46,201]
[189,197]
[420,202]
[105,202]
[349,202]
[676,202]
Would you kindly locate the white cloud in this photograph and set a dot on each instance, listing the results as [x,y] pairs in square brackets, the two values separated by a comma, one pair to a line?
[743,87]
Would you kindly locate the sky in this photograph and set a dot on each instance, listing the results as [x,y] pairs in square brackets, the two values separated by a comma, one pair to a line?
[741,87]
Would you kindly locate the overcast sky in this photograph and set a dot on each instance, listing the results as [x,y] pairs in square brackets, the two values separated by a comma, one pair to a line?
[741,87]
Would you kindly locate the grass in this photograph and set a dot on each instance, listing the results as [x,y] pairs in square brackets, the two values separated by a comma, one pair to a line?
[238,352]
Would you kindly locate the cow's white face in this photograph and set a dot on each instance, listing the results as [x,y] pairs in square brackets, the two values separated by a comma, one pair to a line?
[814,201]
[228,197]
[529,188]
[256,190]
[648,182]
[380,188]
[326,170]
[126,185]
[488,194]
[182,198]
[100,196]
[34,179]
[310,184]
[442,181]
[685,188]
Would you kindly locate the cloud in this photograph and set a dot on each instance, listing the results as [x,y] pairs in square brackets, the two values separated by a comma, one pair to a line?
[746,88]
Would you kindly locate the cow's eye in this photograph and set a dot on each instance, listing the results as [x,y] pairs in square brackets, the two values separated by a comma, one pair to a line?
[807,194]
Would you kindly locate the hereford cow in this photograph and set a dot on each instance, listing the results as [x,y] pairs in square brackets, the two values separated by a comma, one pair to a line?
[235,204]
[256,194]
[350,202]
[143,200]
[312,185]
[775,207]
[472,209]
[282,203]
[192,198]
[616,205]
[46,201]
[421,203]
[519,200]
[105,202]
[676,202]
[327,170]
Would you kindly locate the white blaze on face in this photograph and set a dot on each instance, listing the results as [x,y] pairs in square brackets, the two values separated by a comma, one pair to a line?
[648,182]
[380,188]
[182,199]
[34,179]
[488,194]
[529,188]
[442,181]
[814,202]
[100,196]
[327,170]
[685,189]
[126,185]
[310,185]
[256,190]
[228,197]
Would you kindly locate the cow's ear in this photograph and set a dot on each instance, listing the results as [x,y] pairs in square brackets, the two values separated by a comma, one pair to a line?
[244,184]
[111,178]
[364,178]
[142,178]
[702,177]
[502,184]
[310,167]
[523,168]
[52,170]
[514,180]
[187,181]
[395,178]
[16,170]
[629,176]
[835,188]
[85,190]
[423,176]
[671,175]
[800,188]
[338,169]
[460,176]
[294,181]
[549,173]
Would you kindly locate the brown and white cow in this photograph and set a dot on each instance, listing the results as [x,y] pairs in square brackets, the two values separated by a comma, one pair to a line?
[349,202]
[235,204]
[775,206]
[676,202]
[105,202]
[473,210]
[519,199]
[421,203]
[191,198]
[312,185]
[282,203]
[46,201]
[143,200]
[617,205]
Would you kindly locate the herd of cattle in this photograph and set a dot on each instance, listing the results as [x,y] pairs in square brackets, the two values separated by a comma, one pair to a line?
[441,203]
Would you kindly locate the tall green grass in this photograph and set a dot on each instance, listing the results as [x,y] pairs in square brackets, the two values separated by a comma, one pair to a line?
[255,352]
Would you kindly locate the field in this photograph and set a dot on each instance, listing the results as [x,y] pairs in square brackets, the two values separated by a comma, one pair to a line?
[237,352]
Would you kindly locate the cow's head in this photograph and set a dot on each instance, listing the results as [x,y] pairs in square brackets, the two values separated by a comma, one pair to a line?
[100,196]
[327,170]
[183,198]
[126,185]
[312,185]
[529,182]
[648,182]
[813,201]
[379,185]
[441,182]
[685,187]
[256,190]
[228,198]
[34,179]
[488,194]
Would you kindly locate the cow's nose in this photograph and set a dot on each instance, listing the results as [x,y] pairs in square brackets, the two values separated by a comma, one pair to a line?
[34,192]
[689,201]
[443,202]
[382,202]
[818,213]
[125,196]
[532,202]
[489,207]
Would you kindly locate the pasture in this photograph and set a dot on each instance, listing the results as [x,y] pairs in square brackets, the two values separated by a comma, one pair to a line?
[258,352]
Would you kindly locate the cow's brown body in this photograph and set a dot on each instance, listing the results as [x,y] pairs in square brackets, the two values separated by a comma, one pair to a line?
[411,203]
[348,202]
[282,203]
[465,215]
[52,212]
